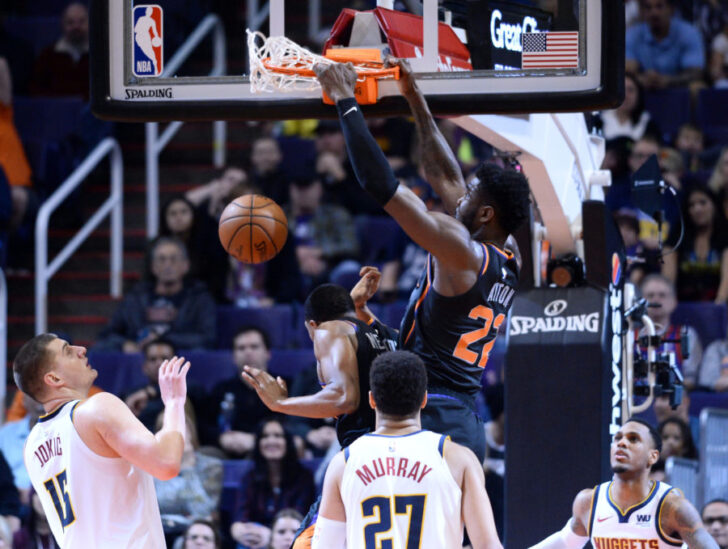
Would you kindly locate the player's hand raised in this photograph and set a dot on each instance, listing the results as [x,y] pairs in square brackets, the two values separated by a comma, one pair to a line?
[270,390]
[173,379]
[367,286]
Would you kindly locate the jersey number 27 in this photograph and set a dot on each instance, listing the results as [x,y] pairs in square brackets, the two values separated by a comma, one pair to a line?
[462,350]
[412,505]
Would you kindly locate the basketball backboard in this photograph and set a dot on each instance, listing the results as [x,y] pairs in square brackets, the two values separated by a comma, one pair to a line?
[133,72]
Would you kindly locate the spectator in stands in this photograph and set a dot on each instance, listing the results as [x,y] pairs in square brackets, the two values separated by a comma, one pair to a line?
[324,234]
[630,119]
[12,441]
[267,173]
[642,260]
[208,261]
[699,268]
[234,409]
[277,481]
[664,50]
[677,440]
[719,178]
[18,411]
[9,497]
[63,69]
[284,528]
[714,367]
[690,142]
[212,197]
[715,518]
[202,534]
[618,195]
[719,59]
[13,161]
[195,491]
[36,532]
[167,304]
[146,402]
[659,291]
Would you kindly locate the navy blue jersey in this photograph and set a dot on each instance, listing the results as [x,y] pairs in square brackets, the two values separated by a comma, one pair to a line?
[372,340]
[453,335]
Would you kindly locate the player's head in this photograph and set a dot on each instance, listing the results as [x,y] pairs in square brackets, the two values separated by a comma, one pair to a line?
[495,203]
[398,384]
[156,352]
[251,347]
[47,367]
[326,302]
[636,446]
[715,518]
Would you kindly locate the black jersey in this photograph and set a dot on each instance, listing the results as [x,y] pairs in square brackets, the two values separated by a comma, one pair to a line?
[372,340]
[454,335]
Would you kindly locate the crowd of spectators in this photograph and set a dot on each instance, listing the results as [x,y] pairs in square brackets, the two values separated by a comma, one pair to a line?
[304,167]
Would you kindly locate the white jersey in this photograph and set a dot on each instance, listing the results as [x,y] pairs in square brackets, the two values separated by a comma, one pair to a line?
[610,527]
[400,488]
[90,500]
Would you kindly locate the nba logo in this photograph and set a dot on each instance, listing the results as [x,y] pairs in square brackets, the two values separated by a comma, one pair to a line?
[147,55]
[616,269]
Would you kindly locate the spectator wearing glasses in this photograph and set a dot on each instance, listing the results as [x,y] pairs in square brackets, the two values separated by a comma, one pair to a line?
[167,304]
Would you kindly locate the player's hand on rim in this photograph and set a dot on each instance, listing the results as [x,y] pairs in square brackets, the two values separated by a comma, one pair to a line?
[407,83]
[270,390]
[173,379]
[337,79]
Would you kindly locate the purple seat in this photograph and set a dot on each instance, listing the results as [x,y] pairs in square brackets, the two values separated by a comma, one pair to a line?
[708,319]
[710,111]
[277,321]
[118,372]
[39,30]
[47,118]
[288,363]
[670,108]
[376,237]
[393,313]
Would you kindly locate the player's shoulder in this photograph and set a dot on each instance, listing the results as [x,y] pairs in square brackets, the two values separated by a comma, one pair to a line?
[583,502]
[99,405]
[335,328]
[457,456]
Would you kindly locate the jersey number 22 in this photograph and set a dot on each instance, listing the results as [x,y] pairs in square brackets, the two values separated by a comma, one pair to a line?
[461,349]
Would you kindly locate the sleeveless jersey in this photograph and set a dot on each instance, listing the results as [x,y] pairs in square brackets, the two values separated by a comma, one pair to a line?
[400,489]
[90,500]
[372,340]
[454,335]
[610,528]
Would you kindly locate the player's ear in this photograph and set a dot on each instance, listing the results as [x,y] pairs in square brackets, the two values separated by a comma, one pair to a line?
[372,404]
[653,457]
[52,379]
[487,214]
[424,401]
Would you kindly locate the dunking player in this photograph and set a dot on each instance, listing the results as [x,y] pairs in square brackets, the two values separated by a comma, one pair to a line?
[401,486]
[90,459]
[469,282]
[631,510]
[344,347]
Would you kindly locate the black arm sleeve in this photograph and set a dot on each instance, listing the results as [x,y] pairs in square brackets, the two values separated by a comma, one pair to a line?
[370,165]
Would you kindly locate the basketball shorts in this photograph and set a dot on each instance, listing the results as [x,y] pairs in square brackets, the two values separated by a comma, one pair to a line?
[451,414]
[305,531]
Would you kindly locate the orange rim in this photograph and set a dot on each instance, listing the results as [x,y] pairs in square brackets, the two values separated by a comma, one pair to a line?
[373,70]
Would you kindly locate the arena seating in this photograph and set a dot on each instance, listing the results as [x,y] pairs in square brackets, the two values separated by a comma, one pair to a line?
[708,319]
[670,108]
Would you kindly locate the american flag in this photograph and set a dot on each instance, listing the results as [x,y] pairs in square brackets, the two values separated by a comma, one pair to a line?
[550,50]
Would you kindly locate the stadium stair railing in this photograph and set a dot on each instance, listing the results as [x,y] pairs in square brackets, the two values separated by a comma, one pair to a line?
[155,143]
[112,206]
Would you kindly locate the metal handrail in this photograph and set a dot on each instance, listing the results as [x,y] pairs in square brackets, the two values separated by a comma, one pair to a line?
[112,205]
[156,143]
[3,343]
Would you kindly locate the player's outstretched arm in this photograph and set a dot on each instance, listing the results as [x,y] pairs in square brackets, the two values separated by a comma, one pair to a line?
[106,423]
[441,235]
[363,291]
[476,510]
[330,531]
[574,534]
[441,167]
[339,372]
[679,520]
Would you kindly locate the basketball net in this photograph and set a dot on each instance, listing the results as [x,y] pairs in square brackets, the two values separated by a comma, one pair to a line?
[278,64]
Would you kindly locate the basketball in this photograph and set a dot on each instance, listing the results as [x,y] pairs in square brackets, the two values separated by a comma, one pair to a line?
[253,228]
[156,41]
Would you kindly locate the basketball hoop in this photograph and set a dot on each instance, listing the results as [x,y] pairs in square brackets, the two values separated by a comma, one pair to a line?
[278,64]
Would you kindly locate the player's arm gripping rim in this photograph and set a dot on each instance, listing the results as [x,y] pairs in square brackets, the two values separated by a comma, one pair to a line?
[680,519]
[336,354]
[441,235]
[575,533]
[442,170]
